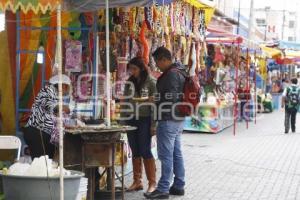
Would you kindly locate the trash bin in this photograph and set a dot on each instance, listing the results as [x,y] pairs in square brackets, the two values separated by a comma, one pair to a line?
[276,98]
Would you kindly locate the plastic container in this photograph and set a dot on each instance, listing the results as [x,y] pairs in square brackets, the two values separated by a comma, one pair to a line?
[40,188]
[276,97]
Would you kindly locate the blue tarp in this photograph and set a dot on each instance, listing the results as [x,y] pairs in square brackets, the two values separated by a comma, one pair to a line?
[94,5]
[289,45]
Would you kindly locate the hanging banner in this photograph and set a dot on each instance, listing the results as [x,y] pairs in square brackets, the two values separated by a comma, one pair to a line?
[34,5]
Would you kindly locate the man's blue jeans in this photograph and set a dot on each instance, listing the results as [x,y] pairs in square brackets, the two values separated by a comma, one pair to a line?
[169,153]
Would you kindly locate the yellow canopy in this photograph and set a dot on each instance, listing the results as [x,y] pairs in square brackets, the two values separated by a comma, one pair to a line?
[34,5]
[270,52]
[209,11]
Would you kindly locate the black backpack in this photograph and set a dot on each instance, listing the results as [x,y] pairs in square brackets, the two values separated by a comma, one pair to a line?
[293,97]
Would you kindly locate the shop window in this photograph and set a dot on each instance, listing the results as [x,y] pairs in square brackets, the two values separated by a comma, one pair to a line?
[260,22]
[291,24]
[291,39]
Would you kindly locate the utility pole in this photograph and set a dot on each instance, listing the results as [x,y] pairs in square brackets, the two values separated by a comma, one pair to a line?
[267,9]
[239,16]
[250,26]
[283,25]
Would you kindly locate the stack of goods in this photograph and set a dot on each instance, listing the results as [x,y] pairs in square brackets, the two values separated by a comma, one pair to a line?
[83,187]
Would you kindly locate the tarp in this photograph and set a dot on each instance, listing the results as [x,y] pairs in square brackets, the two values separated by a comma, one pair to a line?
[94,5]
[222,37]
[270,52]
[25,5]
[289,45]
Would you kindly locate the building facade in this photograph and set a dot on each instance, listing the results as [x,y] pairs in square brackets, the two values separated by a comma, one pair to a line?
[277,24]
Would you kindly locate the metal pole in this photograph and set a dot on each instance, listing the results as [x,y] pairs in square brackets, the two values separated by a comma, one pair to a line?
[18,66]
[60,106]
[251,20]
[235,112]
[255,89]
[108,97]
[95,64]
[247,110]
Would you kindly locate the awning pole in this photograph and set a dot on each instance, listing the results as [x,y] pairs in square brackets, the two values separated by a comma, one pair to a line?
[60,96]
[108,95]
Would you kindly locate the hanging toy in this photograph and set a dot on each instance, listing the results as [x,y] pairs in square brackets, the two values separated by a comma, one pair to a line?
[131,20]
[198,56]
[157,25]
[202,25]
[193,61]
[117,21]
[154,46]
[101,21]
[149,17]
[219,57]
[172,18]
[144,42]
[75,34]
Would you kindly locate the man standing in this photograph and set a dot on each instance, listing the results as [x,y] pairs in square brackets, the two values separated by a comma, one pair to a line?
[291,100]
[170,87]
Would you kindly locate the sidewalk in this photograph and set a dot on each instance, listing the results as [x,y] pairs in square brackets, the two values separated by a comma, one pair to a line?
[259,163]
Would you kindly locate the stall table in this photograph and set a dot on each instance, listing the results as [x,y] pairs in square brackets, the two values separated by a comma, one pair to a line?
[211,119]
[88,148]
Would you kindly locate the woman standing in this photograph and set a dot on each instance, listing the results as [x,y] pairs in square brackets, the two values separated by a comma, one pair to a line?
[141,87]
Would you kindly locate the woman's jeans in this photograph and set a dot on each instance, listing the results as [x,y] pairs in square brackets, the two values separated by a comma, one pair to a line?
[140,139]
[169,152]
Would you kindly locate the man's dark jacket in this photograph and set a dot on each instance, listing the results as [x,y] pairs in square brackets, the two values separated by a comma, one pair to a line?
[170,86]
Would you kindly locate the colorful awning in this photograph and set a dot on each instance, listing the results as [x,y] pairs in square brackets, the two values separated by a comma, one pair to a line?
[270,52]
[222,37]
[26,5]
[292,54]
[209,10]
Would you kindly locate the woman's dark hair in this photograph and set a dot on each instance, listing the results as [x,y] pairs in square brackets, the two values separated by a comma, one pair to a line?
[138,83]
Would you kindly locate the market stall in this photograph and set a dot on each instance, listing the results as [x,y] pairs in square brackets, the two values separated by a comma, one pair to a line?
[217,77]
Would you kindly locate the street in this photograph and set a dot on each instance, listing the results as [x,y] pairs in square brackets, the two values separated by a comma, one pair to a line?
[256,164]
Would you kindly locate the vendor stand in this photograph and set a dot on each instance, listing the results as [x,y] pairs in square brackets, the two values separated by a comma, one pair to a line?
[216,110]
[97,147]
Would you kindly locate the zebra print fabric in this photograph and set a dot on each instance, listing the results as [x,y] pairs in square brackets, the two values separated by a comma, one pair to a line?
[42,116]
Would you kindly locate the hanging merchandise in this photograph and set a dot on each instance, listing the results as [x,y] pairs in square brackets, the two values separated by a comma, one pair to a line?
[193,60]
[73,56]
[87,63]
[154,46]
[76,25]
[202,25]
[149,17]
[219,57]
[82,90]
[144,42]
[122,76]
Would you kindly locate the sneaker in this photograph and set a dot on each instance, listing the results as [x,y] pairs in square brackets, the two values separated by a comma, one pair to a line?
[176,192]
[157,195]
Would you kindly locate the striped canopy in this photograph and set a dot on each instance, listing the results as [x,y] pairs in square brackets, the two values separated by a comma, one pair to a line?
[25,5]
